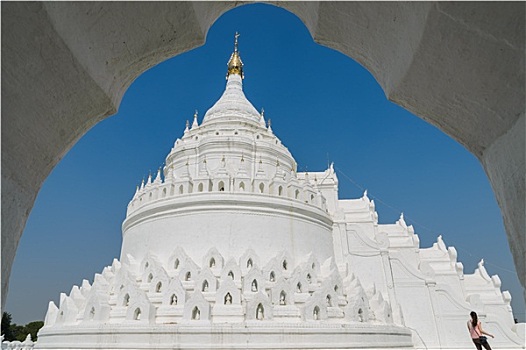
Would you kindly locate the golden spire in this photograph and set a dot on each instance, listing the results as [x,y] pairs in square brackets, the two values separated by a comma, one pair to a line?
[235,65]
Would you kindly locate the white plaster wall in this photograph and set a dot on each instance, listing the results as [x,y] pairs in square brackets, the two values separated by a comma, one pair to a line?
[232,223]
[504,165]
[365,261]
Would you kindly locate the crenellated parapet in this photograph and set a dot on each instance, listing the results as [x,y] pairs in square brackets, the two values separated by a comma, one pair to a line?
[296,187]
[179,291]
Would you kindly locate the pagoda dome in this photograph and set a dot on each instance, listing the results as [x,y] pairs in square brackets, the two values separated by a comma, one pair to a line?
[229,183]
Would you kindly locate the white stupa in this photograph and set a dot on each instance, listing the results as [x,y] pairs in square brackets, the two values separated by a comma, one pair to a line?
[231,248]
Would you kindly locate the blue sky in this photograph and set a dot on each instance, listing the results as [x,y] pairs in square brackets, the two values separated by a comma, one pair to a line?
[324,107]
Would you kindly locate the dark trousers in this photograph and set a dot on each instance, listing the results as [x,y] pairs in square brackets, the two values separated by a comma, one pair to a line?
[481,343]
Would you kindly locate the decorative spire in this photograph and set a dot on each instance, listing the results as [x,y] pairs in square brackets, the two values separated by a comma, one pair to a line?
[149,181]
[235,41]
[187,127]
[158,177]
[235,65]
[194,124]
[262,118]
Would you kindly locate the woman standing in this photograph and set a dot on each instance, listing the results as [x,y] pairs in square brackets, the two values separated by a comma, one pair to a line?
[476,332]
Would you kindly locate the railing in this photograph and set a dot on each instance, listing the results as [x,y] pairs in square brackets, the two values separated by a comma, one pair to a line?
[27,344]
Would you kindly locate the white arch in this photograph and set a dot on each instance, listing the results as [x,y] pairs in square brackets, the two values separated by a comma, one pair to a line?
[498,142]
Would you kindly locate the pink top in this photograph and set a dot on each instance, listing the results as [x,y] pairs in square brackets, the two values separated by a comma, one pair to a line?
[474,332]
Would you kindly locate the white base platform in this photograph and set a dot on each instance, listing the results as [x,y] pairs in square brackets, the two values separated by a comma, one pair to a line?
[248,335]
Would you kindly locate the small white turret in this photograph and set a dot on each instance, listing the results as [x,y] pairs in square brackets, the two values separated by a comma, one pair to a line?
[158,180]
[149,181]
[194,123]
[262,119]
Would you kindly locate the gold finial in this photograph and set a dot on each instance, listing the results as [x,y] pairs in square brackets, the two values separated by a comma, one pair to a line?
[235,65]
[195,114]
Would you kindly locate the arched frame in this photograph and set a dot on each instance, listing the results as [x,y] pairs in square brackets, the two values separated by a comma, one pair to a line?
[490,127]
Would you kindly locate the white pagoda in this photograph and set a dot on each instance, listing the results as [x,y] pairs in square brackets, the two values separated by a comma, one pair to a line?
[231,248]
